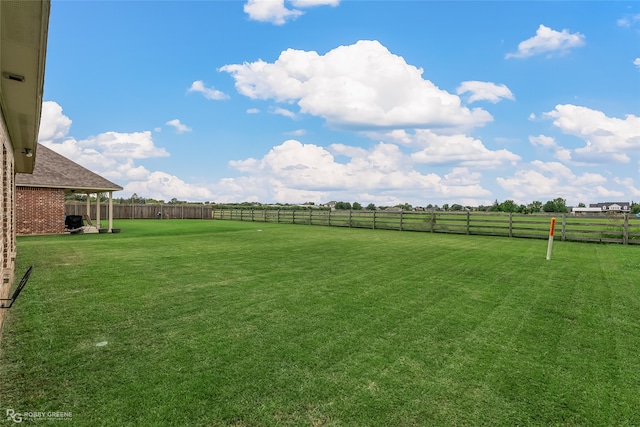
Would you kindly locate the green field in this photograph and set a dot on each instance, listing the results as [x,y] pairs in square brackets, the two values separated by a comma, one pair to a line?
[226,323]
[614,228]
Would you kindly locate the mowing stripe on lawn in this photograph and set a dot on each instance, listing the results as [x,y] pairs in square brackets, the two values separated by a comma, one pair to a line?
[228,323]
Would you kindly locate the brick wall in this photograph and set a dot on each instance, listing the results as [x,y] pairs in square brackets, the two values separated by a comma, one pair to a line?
[39,210]
[7,218]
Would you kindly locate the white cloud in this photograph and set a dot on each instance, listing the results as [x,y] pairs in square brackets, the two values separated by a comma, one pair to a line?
[550,143]
[628,21]
[361,85]
[484,91]
[277,13]
[547,181]
[273,11]
[53,123]
[83,154]
[401,136]
[253,111]
[54,128]
[313,3]
[133,145]
[112,154]
[441,149]
[283,112]
[397,136]
[296,172]
[462,176]
[629,186]
[636,62]
[606,138]
[543,141]
[548,41]
[209,93]
[458,149]
[297,132]
[109,154]
[180,128]
[161,185]
[128,171]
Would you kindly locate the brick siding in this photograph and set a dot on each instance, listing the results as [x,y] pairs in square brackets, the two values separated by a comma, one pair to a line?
[7,218]
[39,210]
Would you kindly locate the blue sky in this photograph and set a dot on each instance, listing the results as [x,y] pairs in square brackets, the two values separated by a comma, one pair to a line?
[384,102]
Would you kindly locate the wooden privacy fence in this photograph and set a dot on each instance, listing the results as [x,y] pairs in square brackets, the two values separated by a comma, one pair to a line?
[618,228]
[129,211]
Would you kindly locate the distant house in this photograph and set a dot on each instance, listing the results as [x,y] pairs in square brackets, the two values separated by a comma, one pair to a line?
[612,206]
[40,196]
[598,208]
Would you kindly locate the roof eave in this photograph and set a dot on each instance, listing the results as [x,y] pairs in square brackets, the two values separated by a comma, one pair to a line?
[24,29]
[89,190]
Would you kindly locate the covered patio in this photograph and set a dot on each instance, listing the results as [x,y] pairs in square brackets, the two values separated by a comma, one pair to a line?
[40,204]
[87,224]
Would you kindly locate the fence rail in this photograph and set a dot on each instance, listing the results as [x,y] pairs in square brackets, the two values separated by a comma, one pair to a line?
[142,211]
[620,228]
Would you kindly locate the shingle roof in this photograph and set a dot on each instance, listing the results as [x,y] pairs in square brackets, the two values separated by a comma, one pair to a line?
[53,170]
[599,205]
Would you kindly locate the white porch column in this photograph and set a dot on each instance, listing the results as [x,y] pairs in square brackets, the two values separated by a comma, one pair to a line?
[110,211]
[88,207]
[98,211]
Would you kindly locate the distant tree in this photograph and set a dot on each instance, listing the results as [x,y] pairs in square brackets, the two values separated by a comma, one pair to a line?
[75,196]
[429,206]
[561,205]
[508,206]
[456,207]
[445,207]
[557,205]
[534,206]
[549,206]
[581,205]
[496,207]
[356,206]
[371,207]
[405,206]
[136,200]
[343,206]
[635,208]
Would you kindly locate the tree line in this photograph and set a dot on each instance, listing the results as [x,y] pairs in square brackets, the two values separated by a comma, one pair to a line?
[557,205]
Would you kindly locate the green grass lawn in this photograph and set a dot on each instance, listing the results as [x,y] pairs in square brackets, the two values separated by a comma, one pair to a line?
[224,323]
